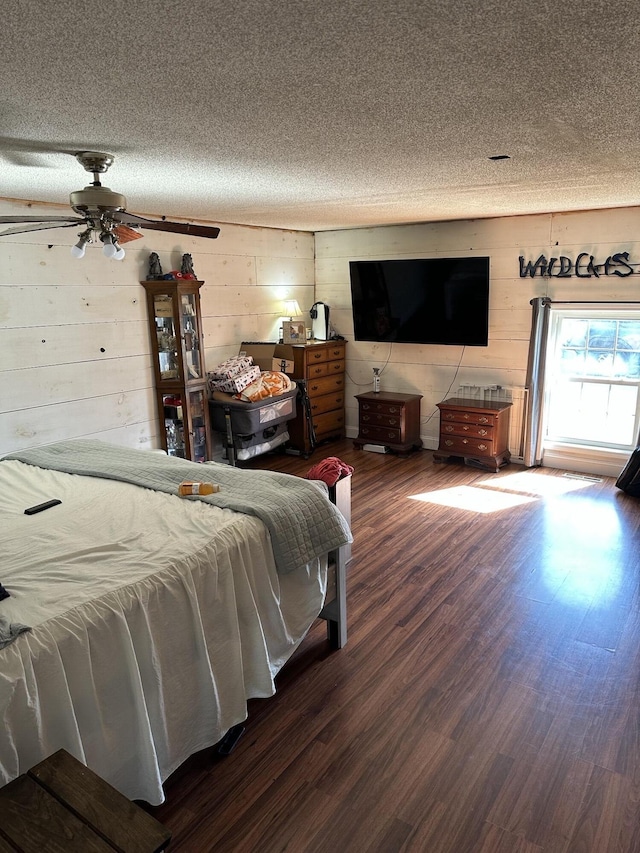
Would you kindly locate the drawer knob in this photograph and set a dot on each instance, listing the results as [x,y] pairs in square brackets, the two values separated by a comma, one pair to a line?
[482,447]
[465,427]
[365,418]
[448,442]
[466,415]
[483,432]
[449,416]
[392,421]
[483,420]
[449,428]
[366,406]
[393,409]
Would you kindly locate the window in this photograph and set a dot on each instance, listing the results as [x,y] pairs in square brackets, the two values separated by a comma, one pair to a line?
[593,378]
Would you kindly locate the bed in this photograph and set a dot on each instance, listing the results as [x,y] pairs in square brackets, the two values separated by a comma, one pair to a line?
[152,618]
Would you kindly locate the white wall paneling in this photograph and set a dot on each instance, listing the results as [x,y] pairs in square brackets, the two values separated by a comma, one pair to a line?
[433,370]
[75,358]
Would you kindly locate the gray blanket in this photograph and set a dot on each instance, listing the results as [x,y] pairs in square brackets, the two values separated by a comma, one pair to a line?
[302,522]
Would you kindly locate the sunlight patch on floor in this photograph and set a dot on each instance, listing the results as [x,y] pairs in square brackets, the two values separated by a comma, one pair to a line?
[473,499]
[532,483]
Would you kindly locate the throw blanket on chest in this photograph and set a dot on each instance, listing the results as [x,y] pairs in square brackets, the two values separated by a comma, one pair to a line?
[302,522]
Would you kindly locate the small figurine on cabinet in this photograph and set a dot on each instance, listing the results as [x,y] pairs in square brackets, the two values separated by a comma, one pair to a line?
[155,270]
[187,267]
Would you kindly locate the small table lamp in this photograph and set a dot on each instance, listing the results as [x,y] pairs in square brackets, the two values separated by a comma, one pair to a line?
[292,309]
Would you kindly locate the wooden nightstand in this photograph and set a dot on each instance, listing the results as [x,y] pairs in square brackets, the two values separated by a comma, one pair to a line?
[390,420]
[476,430]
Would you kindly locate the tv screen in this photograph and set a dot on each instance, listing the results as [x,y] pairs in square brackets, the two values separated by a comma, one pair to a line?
[423,301]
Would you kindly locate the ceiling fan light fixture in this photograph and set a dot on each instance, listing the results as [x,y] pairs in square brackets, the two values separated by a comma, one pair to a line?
[80,247]
[109,249]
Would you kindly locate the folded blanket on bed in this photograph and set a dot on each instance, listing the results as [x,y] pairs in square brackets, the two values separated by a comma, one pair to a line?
[302,522]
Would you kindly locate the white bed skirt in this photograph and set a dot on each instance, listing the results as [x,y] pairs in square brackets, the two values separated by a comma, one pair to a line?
[153,619]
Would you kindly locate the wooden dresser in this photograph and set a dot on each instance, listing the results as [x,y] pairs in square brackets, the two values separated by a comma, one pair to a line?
[476,430]
[322,365]
[390,420]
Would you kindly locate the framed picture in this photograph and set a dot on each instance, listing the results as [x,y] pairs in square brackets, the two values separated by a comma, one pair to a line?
[293,332]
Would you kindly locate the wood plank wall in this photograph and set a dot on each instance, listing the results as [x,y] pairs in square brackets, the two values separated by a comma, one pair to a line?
[75,358]
[434,370]
[74,350]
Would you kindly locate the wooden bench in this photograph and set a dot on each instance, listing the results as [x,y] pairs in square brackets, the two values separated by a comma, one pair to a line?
[60,806]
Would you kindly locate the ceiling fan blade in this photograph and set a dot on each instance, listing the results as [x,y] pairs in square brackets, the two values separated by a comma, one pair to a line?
[209,231]
[40,219]
[124,234]
[41,225]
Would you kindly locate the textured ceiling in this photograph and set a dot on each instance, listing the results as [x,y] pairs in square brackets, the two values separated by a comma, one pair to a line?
[295,114]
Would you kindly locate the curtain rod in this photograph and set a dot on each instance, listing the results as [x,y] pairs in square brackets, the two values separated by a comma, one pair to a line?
[546,300]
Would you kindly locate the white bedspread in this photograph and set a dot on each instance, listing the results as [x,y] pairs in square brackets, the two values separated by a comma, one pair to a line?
[153,619]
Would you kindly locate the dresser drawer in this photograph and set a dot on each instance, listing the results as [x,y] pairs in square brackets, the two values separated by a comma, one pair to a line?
[325,385]
[327,403]
[457,416]
[329,423]
[475,430]
[318,354]
[467,446]
[325,368]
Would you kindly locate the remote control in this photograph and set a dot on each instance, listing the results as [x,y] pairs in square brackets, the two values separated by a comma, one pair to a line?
[32,510]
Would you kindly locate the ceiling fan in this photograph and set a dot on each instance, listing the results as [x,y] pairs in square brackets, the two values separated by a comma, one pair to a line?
[102,214]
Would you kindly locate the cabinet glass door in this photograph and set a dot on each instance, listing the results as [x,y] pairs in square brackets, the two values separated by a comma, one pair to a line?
[197,424]
[174,425]
[185,425]
[169,363]
[190,335]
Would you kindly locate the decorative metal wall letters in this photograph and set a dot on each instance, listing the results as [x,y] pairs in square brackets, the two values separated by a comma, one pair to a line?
[584,266]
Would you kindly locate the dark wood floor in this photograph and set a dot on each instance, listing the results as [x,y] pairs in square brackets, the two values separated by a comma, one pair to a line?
[488,699]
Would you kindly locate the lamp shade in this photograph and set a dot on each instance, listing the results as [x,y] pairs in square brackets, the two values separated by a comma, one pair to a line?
[291,308]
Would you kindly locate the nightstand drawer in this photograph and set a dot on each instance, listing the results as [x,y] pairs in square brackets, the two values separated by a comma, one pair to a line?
[382,407]
[468,446]
[476,430]
[384,435]
[375,419]
[456,416]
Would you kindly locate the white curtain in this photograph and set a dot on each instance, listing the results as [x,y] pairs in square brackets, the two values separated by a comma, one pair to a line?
[532,454]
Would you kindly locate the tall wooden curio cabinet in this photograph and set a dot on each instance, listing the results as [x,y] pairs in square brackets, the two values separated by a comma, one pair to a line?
[175,326]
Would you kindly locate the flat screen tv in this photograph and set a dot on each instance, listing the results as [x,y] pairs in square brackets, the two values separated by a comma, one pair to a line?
[422,301]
